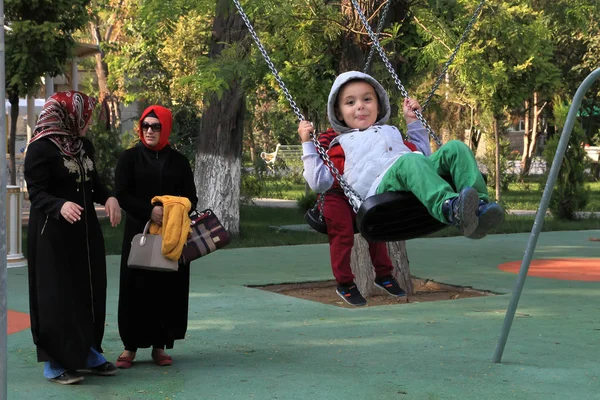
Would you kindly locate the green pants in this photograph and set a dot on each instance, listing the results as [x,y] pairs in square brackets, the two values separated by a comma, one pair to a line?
[420,175]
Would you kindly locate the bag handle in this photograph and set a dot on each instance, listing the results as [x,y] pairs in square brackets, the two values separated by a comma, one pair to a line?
[143,238]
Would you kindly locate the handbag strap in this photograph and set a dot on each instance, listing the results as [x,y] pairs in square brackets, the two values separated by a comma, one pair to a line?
[147,227]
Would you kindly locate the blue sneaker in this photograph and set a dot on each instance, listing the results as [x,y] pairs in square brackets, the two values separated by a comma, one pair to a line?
[461,211]
[351,295]
[490,216]
[390,285]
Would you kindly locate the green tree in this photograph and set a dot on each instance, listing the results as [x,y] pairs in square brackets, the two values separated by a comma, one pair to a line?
[569,194]
[508,60]
[38,41]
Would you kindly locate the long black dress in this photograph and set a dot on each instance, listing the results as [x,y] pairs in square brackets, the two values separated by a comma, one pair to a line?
[153,306]
[66,262]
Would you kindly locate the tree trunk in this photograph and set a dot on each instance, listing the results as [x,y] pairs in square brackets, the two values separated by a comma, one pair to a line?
[498,172]
[219,145]
[105,97]
[525,157]
[13,97]
[362,268]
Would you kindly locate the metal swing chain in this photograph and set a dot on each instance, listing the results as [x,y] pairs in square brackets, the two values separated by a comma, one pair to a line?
[390,69]
[379,28]
[321,201]
[456,48]
[353,197]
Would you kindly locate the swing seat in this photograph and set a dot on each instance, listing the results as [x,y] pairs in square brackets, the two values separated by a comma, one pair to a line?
[312,219]
[395,216]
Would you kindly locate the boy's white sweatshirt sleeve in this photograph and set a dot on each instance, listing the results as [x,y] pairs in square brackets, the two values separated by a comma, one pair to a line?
[417,134]
[316,173]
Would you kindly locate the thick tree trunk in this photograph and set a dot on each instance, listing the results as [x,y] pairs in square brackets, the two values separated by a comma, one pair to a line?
[219,146]
[13,97]
[362,268]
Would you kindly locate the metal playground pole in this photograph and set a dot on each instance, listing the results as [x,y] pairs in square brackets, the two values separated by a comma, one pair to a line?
[539,218]
[3,261]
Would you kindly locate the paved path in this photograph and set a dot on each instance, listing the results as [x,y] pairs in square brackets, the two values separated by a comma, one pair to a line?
[244,343]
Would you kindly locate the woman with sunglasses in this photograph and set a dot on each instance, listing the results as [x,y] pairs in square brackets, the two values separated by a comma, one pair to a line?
[153,306]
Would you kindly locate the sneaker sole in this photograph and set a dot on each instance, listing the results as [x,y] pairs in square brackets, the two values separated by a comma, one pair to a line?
[385,290]
[344,298]
[490,219]
[469,206]
[67,382]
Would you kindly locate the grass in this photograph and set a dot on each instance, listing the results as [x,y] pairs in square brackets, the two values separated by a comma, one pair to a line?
[259,228]
[519,196]
[259,225]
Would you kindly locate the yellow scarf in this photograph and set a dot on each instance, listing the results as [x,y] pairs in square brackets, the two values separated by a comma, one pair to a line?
[175,224]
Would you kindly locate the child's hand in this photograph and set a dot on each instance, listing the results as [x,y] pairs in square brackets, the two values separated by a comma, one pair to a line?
[304,130]
[409,106]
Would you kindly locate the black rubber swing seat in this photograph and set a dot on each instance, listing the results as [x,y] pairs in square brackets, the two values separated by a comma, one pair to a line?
[387,217]
[395,216]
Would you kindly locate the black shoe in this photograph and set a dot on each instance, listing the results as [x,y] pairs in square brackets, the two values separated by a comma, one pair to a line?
[390,285]
[106,369]
[461,211]
[351,295]
[68,378]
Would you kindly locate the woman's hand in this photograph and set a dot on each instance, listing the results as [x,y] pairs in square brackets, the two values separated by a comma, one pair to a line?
[157,215]
[113,210]
[71,212]
[409,108]
[304,130]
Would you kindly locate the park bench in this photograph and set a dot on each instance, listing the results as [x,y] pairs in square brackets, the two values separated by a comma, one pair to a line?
[593,153]
[283,152]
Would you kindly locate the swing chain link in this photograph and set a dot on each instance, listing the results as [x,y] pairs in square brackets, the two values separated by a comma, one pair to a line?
[390,69]
[379,28]
[454,53]
[353,196]
[270,64]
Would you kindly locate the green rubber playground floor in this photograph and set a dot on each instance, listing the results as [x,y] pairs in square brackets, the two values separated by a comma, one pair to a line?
[245,343]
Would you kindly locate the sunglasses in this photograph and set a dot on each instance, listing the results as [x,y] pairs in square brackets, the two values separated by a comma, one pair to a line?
[157,126]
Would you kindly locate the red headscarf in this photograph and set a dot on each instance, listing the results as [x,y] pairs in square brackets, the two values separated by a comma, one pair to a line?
[166,120]
[62,119]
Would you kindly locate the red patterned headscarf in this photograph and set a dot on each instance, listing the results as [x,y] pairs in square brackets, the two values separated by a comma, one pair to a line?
[62,119]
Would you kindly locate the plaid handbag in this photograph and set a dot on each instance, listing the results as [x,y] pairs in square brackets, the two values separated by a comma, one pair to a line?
[207,236]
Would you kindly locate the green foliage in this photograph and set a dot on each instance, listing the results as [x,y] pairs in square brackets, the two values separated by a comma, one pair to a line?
[489,160]
[569,194]
[261,181]
[39,40]
[307,201]
[108,149]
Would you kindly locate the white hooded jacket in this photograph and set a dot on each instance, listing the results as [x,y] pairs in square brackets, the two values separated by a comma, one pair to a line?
[368,153]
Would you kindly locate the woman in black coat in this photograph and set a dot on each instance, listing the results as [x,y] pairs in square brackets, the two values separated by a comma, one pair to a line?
[65,246]
[153,305]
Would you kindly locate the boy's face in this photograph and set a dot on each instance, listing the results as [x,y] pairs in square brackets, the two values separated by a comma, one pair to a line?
[357,105]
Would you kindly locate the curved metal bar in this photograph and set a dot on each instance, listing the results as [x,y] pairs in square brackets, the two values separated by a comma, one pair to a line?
[539,218]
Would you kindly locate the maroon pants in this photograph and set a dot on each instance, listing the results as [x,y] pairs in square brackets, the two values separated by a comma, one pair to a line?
[339,218]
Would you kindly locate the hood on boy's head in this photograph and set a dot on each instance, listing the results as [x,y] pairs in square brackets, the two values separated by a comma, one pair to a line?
[384,101]
[166,120]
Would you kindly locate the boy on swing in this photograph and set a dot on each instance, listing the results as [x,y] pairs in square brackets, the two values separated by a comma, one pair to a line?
[373,158]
